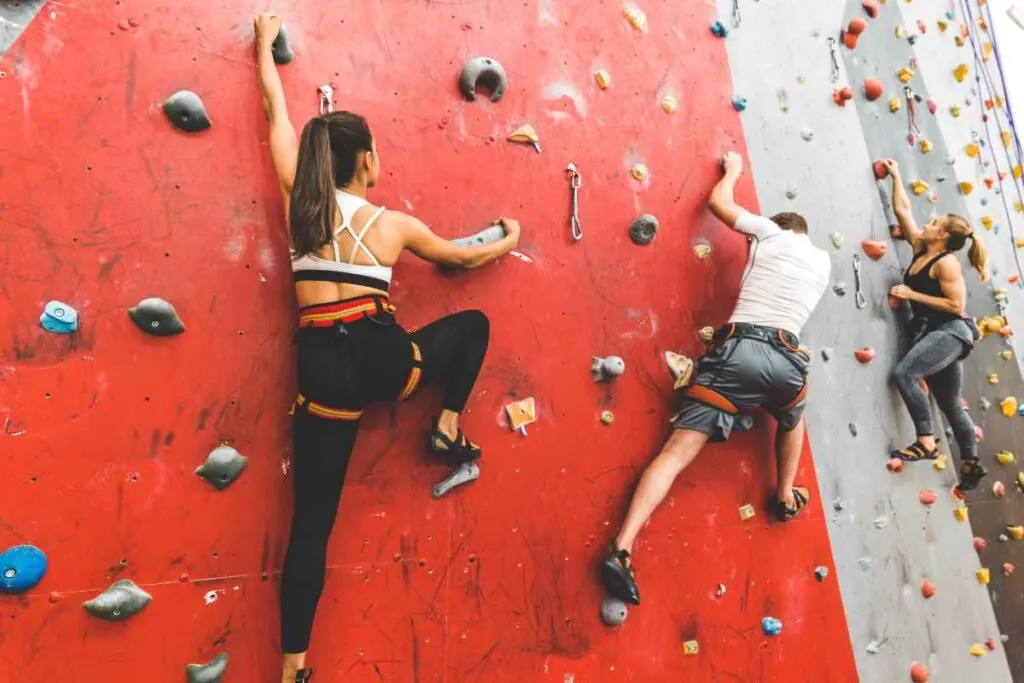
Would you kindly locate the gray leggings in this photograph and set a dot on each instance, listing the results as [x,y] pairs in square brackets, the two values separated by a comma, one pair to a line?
[936,358]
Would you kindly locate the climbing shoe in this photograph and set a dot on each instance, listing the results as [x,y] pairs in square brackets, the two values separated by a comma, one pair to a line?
[457,450]
[971,474]
[784,513]
[916,451]
[304,676]
[617,576]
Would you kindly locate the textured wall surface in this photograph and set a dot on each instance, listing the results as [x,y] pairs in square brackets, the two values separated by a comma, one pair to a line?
[103,203]
[881,569]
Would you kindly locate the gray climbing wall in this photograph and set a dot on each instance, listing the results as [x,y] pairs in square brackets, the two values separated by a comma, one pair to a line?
[884,540]
[14,17]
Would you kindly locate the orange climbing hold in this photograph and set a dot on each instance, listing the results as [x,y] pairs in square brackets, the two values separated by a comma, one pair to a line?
[857,26]
[870,8]
[966,188]
[873,89]
[927,497]
[874,249]
[850,39]
[864,354]
[990,642]
[880,170]
[927,588]
[895,465]
[989,182]
[960,73]
[842,95]
[919,673]
[1016,532]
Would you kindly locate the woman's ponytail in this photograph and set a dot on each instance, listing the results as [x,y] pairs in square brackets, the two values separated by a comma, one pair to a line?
[959,232]
[312,201]
[977,256]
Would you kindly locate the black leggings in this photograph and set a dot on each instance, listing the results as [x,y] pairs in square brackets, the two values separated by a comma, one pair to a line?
[373,361]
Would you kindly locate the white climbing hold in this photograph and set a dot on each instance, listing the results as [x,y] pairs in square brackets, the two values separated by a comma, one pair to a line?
[807,134]
[881,522]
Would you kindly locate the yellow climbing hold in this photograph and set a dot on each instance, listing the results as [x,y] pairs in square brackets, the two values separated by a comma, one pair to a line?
[706,334]
[973,150]
[1018,171]
[954,111]
[926,145]
[636,18]
[1007,138]
[1009,406]
[1019,208]
[905,75]
[943,25]
[603,79]
[1016,532]
[669,104]
[524,134]
[983,578]
[1006,355]
[966,188]
[900,31]
[1020,480]
[986,222]
[993,378]
[895,105]
[999,101]
[960,73]
[939,464]
[1005,458]
[691,647]
[960,512]
[747,512]
[986,52]
[639,171]
[702,251]
[919,187]
[977,649]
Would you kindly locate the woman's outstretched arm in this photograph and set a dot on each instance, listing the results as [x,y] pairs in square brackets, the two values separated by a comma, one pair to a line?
[901,204]
[284,143]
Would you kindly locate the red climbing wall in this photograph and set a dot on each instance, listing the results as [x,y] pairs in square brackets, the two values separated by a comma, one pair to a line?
[102,203]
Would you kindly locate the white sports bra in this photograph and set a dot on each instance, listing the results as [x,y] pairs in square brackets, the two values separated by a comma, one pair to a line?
[311,267]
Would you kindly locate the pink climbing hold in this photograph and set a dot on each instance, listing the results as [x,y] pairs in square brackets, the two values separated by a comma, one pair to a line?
[927,588]
[932,107]
[979,433]
[895,465]
[873,89]
[864,354]
[990,643]
[870,8]
[979,543]
[919,673]
[927,497]
[874,249]
[921,27]
[880,170]
[1008,568]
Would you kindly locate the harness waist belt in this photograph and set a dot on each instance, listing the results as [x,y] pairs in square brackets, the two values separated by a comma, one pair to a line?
[342,312]
[772,335]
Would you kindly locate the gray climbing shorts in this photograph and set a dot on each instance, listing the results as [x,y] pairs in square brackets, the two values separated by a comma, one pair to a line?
[751,367]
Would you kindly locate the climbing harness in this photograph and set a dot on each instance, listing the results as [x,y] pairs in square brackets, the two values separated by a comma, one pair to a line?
[326,99]
[736,13]
[859,295]
[833,50]
[575,181]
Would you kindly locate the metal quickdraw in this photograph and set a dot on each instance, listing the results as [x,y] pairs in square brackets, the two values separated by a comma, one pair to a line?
[326,99]
[912,130]
[575,182]
[859,296]
[833,51]
[736,13]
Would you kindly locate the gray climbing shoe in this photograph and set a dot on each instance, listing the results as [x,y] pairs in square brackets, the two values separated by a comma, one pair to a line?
[617,576]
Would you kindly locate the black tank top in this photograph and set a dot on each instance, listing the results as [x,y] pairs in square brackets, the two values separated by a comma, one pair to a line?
[923,283]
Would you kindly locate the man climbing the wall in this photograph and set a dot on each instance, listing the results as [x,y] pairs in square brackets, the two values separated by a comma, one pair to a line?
[754,361]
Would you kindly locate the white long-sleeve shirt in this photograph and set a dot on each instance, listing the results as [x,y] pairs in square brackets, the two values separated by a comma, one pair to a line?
[785,276]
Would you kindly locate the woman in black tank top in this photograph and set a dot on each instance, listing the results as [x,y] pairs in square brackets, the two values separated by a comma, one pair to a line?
[942,334]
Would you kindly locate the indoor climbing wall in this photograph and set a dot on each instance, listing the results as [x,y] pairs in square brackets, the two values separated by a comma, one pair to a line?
[912,580]
[147,362]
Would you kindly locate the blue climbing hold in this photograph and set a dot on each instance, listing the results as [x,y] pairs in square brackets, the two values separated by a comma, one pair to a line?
[984,202]
[59,318]
[21,568]
[719,29]
[950,15]
[739,103]
[771,626]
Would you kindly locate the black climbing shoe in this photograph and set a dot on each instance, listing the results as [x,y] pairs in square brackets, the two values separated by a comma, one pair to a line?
[971,474]
[617,576]
[457,450]
[784,512]
[303,676]
[916,451]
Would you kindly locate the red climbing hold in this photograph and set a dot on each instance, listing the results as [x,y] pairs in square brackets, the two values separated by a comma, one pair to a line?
[873,89]
[874,249]
[870,8]
[842,96]
[932,107]
[918,673]
[979,543]
[850,39]
[896,232]
[927,588]
[894,303]
[989,182]
[927,497]
[895,465]
[921,27]
[857,26]
[880,170]
[864,354]
[1008,568]
[990,643]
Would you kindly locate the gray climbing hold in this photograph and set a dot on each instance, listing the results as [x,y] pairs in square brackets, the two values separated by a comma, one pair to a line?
[967,101]
[839,288]
[486,72]
[222,467]
[881,522]
[912,38]
[122,600]
[744,423]
[807,134]
[837,240]
[607,369]
[950,161]
[984,403]
[826,354]
[59,318]
[949,432]
[853,429]
[488,235]
[864,562]
[157,317]
[821,573]
[873,648]
[940,178]
[791,193]
[838,505]
[209,672]
[613,612]
[643,229]
[186,111]
[463,474]
[984,201]
[281,48]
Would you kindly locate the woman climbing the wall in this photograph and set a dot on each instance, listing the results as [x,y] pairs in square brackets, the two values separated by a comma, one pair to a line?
[942,334]
[351,350]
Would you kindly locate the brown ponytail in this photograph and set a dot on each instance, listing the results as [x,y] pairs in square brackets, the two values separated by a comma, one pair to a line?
[959,232]
[328,153]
